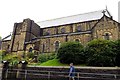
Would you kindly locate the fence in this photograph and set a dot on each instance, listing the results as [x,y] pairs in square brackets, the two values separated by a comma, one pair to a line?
[53,75]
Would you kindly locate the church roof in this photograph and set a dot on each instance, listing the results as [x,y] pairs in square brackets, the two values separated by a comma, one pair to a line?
[7,37]
[74,18]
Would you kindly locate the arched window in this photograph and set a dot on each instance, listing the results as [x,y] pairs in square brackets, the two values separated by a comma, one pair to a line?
[17,45]
[8,46]
[43,48]
[106,36]
[30,49]
[63,30]
[56,45]
[77,40]
[47,32]
[56,30]
[78,29]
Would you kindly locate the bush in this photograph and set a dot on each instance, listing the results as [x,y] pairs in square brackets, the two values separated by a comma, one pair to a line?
[45,57]
[13,59]
[30,55]
[117,60]
[71,52]
[100,53]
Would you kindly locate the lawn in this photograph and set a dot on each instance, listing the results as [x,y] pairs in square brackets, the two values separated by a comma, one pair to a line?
[53,62]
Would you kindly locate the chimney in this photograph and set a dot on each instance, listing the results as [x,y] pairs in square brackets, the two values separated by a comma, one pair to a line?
[119,11]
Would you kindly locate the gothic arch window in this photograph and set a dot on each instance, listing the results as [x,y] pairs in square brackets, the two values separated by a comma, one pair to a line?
[77,40]
[107,35]
[48,32]
[71,28]
[8,46]
[30,49]
[43,48]
[56,30]
[62,30]
[56,45]
[78,29]
[17,44]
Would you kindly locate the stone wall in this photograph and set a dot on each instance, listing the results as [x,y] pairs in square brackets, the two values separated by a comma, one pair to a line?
[6,45]
[62,72]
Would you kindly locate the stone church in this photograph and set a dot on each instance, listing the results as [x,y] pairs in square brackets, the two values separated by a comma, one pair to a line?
[46,36]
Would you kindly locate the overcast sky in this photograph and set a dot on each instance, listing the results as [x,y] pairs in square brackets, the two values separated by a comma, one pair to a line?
[12,11]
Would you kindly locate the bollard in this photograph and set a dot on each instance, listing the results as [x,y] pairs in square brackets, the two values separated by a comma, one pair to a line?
[48,75]
[22,72]
[5,69]
[78,76]
[24,64]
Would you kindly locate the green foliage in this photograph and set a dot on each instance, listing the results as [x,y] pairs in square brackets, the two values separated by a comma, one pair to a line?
[13,59]
[30,55]
[3,53]
[117,47]
[71,52]
[100,53]
[45,57]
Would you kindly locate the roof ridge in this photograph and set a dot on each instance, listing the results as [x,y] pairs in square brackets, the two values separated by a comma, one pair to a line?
[71,16]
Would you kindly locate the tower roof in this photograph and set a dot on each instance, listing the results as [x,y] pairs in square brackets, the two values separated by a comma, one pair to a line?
[75,18]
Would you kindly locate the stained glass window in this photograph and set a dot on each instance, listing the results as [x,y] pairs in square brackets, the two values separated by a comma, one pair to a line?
[106,36]
[63,30]
[56,45]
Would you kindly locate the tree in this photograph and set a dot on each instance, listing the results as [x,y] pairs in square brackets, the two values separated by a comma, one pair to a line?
[117,47]
[100,53]
[71,52]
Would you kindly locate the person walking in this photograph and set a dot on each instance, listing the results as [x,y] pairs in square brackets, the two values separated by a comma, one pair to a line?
[71,72]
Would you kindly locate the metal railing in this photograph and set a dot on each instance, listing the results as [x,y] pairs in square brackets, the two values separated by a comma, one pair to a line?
[53,75]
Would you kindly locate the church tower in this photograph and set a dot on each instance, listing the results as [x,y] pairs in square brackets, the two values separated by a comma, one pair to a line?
[23,32]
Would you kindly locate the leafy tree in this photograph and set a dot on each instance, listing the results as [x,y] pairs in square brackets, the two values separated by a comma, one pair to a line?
[100,53]
[117,52]
[71,52]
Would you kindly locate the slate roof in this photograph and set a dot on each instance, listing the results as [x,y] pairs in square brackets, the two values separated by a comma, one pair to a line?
[74,18]
[7,37]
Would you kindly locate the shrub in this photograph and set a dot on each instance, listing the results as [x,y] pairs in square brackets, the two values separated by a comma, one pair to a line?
[71,52]
[13,59]
[45,57]
[30,55]
[117,60]
[4,53]
[100,53]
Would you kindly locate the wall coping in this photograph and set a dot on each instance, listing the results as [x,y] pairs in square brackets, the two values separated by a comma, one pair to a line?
[108,68]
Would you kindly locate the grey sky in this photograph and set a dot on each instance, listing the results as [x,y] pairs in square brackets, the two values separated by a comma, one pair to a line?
[39,10]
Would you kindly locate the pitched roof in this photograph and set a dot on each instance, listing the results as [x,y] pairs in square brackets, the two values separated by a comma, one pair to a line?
[7,37]
[75,18]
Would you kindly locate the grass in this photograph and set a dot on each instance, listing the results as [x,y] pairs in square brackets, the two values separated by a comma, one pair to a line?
[53,62]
